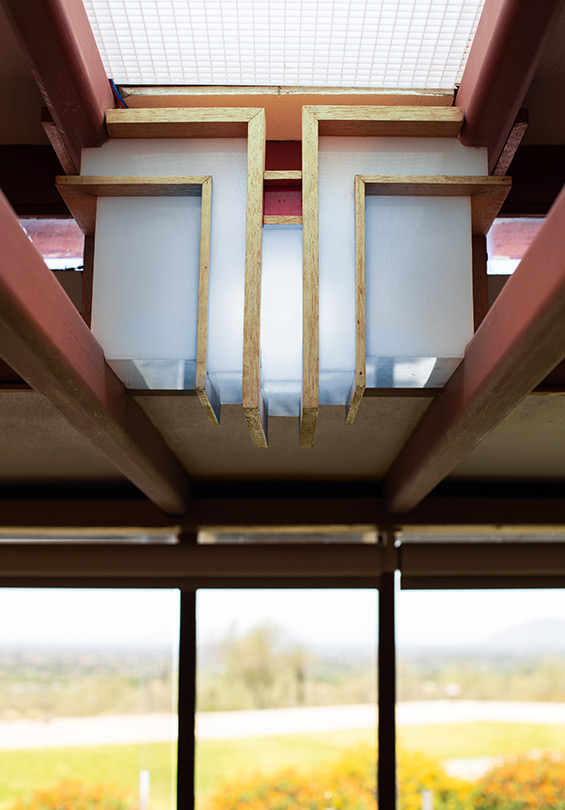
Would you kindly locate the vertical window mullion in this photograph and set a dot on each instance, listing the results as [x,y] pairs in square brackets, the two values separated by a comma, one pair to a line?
[186,702]
[386,769]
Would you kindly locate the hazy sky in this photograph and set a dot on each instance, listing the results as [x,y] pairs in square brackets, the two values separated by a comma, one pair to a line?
[320,616]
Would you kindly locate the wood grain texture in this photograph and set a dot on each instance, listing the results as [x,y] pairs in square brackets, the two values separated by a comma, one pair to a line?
[204,388]
[281,219]
[80,192]
[311,294]
[196,122]
[278,177]
[253,406]
[43,337]
[282,105]
[358,387]
[519,342]
[57,142]
[433,122]
[487,193]
[512,143]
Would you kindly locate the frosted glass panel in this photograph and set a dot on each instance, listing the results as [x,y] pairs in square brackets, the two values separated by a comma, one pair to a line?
[226,161]
[418,286]
[145,294]
[340,159]
[281,319]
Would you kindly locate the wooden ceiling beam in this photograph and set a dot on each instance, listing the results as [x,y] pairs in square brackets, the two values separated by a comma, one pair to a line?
[521,340]
[58,41]
[504,55]
[77,518]
[44,339]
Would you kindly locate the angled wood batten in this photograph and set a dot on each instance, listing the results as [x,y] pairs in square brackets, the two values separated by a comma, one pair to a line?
[215,122]
[487,194]
[254,407]
[80,194]
[375,121]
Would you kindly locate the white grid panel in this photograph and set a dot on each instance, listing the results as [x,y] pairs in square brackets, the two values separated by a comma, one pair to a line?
[341,43]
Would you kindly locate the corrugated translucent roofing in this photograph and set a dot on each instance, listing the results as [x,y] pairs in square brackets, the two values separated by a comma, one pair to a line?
[353,43]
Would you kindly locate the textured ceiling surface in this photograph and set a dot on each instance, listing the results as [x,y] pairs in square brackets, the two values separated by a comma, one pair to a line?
[38,445]
[364,450]
[529,444]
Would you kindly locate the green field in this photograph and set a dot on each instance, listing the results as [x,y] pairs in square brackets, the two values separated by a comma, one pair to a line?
[218,761]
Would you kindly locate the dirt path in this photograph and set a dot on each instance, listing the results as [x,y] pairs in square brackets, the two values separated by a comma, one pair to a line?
[74,731]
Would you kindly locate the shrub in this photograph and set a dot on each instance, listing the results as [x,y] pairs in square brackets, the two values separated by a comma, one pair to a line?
[523,783]
[418,772]
[74,795]
[348,783]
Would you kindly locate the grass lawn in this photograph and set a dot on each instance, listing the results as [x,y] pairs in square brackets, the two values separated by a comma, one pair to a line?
[23,770]
[459,740]
[218,761]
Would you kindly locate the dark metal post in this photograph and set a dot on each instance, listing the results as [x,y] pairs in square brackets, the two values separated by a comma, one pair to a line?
[187,702]
[386,770]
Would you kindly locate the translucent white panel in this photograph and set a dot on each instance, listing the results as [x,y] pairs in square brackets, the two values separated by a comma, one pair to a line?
[281,319]
[145,292]
[418,286]
[340,160]
[226,161]
[366,43]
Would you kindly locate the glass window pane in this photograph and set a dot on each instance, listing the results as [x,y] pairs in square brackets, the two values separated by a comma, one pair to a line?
[88,683]
[286,693]
[481,698]
[507,242]
[359,534]
[60,241]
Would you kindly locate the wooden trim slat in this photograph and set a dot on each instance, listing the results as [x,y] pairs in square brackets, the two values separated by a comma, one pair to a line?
[252,400]
[204,388]
[80,192]
[431,122]
[280,177]
[172,122]
[487,193]
[358,387]
[45,340]
[311,296]
[281,219]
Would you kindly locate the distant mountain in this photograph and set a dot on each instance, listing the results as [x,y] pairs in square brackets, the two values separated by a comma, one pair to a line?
[539,635]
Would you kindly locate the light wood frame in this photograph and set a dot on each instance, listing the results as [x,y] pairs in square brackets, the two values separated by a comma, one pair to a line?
[487,195]
[80,194]
[219,122]
[339,120]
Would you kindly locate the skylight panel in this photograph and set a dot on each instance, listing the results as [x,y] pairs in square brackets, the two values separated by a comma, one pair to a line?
[361,43]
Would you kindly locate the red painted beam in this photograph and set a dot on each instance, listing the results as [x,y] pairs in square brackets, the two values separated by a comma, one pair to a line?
[57,39]
[501,64]
[519,342]
[44,339]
